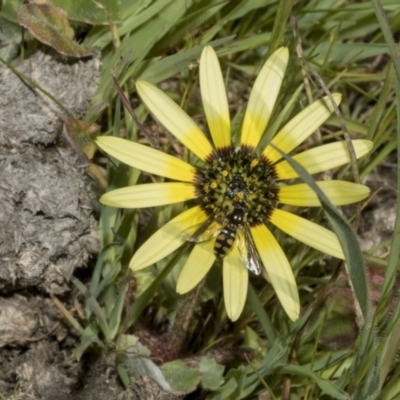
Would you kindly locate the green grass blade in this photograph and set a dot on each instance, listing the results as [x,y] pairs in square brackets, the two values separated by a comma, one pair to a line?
[280,22]
[326,386]
[169,66]
[356,270]
[143,300]
[261,315]
[115,317]
[393,341]
[94,306]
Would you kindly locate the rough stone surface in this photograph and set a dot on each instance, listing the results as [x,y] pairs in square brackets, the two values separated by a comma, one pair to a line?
[47,227]
[46,215]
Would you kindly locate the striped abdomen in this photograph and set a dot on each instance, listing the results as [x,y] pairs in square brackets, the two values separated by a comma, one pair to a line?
[225,240]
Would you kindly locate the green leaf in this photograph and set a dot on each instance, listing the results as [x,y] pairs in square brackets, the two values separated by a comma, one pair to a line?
[169,66]
[262,315]
[244,7]
[326,386]
[224,392]
[115,317]
[142,301]
[93,305]
[91,12]
[182,378]
[347,52]
[133,357]
[11,35]
[50,25]
[89,337]
[9,10]
[280,22]
[392,343]
[142,40]
[195,17]
[211,374]
[123,375]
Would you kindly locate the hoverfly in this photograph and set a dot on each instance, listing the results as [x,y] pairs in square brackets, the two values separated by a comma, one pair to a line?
[230,230]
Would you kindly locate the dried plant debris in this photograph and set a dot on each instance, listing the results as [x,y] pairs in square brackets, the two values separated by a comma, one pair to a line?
[50,25]
[40,377]
[28,319]
[26,114]
[46,212]
[47,374]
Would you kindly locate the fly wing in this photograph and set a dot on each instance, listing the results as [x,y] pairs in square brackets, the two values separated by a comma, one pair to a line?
[248,251]
[201,232]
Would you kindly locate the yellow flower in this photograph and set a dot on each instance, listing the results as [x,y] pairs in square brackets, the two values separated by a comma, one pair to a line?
[235,181]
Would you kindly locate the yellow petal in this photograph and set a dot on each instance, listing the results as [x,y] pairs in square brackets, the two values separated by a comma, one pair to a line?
[149,195]
[167,239]
[322,158]
[236,278]
[146,159]
[279,270]
[300,127]
[263,97]
[174,119]
[338,192]
[214,99]
[197,265]
[307,232]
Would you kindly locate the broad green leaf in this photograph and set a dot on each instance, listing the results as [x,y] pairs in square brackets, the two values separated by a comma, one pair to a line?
[9,10]
[135,358]
[50,25]
[91,12]
[181,378]
[225,392]
[211,374]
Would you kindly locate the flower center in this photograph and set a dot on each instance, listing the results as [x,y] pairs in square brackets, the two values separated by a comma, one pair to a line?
[238,178]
